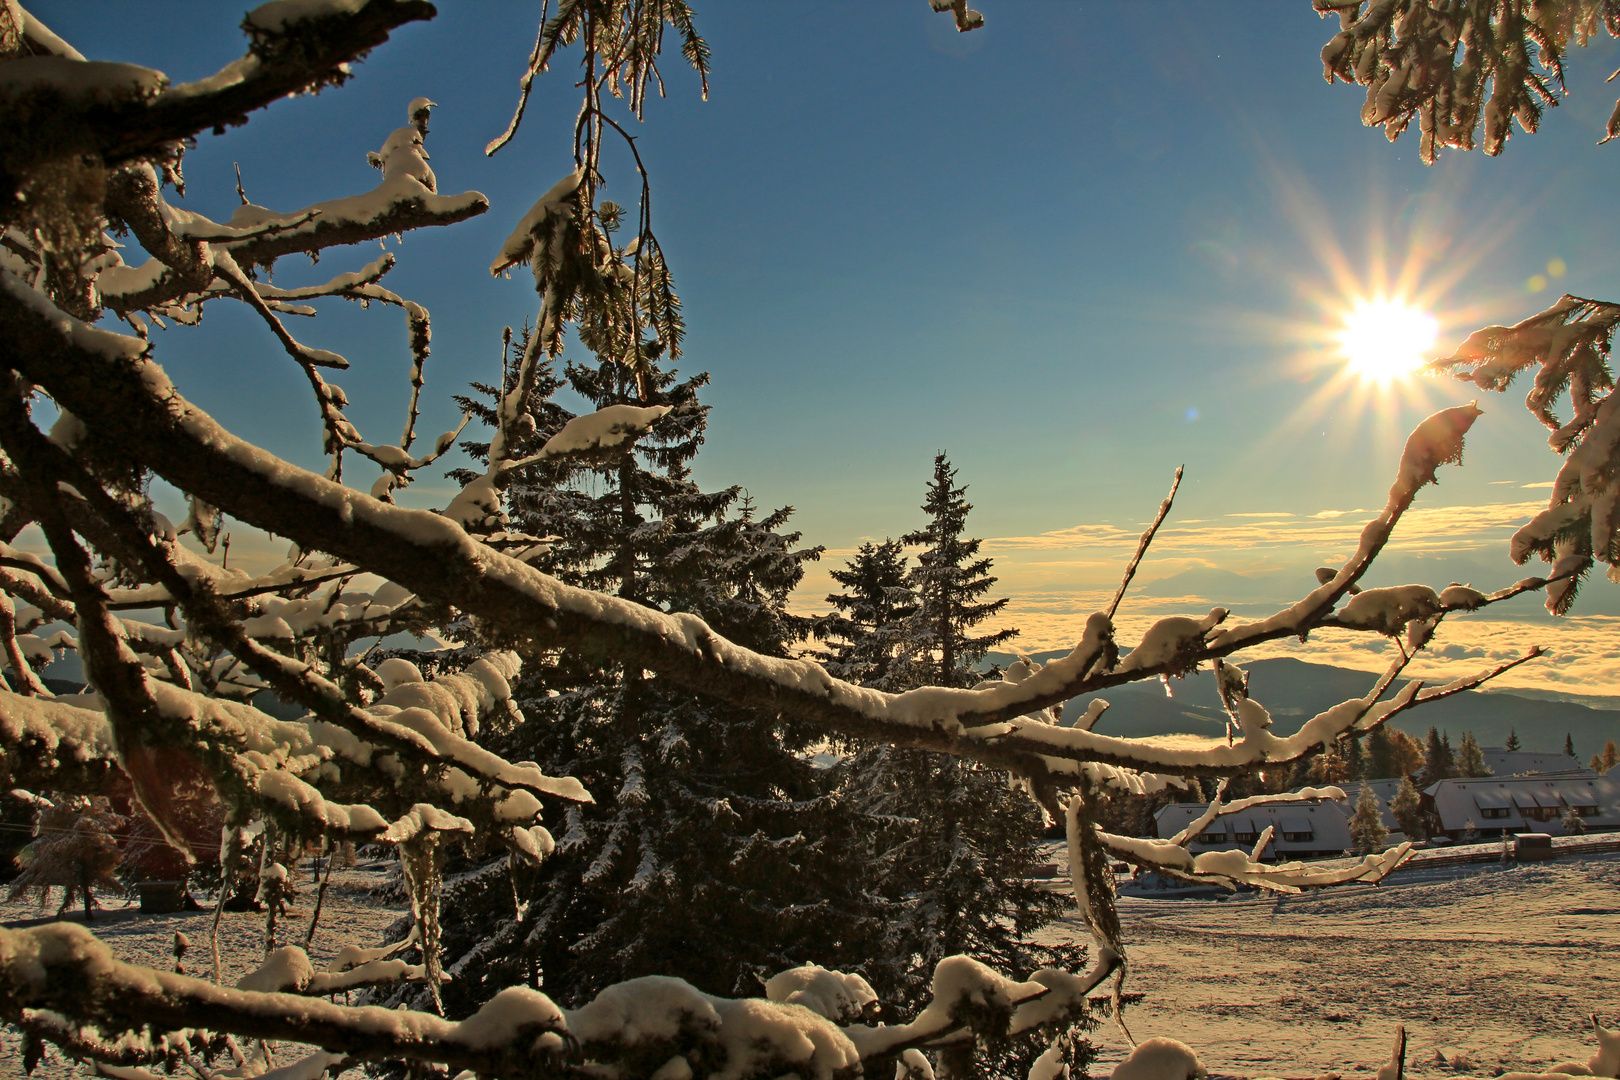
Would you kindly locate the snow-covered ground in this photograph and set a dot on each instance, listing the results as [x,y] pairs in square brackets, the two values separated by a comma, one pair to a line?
[1491,966]
[354,913]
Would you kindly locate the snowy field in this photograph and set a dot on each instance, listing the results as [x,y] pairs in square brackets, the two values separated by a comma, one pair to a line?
[353,914]
[1491,966]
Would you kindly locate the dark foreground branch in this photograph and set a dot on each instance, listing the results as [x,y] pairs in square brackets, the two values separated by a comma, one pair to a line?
[51,115]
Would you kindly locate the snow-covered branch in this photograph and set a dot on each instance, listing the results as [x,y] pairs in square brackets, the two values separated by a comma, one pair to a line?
[62,975]
[61,106]
[109,381]
[1569,343]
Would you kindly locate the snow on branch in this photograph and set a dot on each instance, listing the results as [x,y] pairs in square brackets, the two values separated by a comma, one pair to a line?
[60,107]
[1233,868]
[1434,63]
[55,746]
[112,385]
[966,18]
[1569,345]
[184,245]
[60,973]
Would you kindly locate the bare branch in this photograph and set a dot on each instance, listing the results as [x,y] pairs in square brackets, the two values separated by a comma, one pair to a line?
[1142,545]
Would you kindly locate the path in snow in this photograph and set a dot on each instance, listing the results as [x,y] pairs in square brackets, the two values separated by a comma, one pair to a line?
[1498,965]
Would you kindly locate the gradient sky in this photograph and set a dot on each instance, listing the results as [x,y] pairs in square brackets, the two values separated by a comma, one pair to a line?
[1074,249]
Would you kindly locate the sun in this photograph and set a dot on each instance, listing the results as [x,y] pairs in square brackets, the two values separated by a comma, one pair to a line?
[1385,340]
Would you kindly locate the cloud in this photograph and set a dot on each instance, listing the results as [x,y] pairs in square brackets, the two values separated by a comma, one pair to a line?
[1583,652]
[1539,484]
[1101,535]
[1320,536]
[1057,579]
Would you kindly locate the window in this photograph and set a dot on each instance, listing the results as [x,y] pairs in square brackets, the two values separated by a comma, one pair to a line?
[1494,811]
[1298,837]
[1249,837]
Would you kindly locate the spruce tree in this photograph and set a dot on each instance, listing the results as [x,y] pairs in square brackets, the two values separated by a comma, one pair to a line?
[1355,759]
[1437,759]
[862,631]
[713,852]
[949,582]
[1470,759]
[1367,829]
[1512,739]
[1406,807]
[1569,745]
[961,846]
[1380,763]
[1572,821]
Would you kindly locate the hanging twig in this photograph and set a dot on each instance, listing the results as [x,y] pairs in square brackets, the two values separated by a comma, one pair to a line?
[320,893]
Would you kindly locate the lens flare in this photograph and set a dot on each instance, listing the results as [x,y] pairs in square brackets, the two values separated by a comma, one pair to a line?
[1386,340]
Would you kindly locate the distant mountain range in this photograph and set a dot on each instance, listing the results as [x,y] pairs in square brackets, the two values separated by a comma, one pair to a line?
[1294,691]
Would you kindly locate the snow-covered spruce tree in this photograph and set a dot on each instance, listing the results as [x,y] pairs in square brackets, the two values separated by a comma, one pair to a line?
[862,633]
[713,852]
[960,844]
[75,849]
[390,755]
[1406,807]
[936,643]
[1367,829]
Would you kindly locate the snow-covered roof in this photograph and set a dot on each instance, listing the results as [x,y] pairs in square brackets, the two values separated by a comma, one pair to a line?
[1326,822]
[1524,802]
[1504,762]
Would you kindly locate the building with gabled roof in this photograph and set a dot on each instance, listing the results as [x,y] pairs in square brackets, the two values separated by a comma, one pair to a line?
[1493,805]
[1504,762]
[1300,830]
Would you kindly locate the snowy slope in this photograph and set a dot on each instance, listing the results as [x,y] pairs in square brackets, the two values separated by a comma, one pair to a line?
[1493,966]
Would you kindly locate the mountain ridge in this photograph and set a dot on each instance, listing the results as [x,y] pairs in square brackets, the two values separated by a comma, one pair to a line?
[1294,690]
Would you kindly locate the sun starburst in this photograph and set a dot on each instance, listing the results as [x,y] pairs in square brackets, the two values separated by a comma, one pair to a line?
[1386,339]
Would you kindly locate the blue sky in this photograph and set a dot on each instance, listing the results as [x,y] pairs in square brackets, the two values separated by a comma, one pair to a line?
[1076,248]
